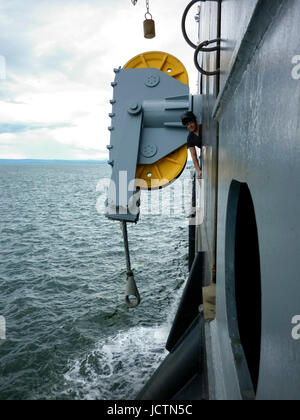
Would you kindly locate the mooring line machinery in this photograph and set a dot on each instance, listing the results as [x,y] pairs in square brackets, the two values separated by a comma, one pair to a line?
[147,147]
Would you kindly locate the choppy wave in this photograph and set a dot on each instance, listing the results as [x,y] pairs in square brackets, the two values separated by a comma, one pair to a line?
[62,280]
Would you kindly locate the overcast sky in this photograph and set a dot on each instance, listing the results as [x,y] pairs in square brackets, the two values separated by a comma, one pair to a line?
[59,56]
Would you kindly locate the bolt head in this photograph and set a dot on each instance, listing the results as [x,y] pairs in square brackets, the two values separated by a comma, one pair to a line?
[134,106]
[152,80]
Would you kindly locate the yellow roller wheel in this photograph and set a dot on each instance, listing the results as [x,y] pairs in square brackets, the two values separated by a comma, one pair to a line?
[161,173]
[161,61]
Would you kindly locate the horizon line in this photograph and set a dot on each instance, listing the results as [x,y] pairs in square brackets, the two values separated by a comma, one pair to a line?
[51,160]
[99,161]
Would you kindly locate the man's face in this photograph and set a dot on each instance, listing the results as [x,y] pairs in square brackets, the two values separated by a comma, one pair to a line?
[192,126]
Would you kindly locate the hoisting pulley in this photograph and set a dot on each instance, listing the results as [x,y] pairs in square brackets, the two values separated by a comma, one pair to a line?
[147,147]
[132,294]
[164,171]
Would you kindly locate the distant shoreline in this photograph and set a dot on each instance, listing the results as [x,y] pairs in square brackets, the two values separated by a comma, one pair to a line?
[55,162]
[50,161]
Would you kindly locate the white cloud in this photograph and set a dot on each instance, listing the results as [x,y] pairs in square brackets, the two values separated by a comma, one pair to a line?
[60,56]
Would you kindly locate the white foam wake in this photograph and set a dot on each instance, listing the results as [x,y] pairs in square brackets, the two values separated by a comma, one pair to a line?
[120,366]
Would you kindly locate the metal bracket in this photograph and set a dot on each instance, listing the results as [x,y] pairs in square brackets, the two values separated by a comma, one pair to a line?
[122,194]
[146,127]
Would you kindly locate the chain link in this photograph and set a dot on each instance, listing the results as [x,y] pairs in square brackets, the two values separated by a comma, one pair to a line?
[134,2]
[148,9]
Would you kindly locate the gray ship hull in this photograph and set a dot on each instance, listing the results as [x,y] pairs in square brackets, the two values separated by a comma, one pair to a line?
[251,133]
[250,235]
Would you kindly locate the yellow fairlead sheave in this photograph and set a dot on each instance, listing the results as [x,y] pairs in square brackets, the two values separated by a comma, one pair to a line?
[170,167]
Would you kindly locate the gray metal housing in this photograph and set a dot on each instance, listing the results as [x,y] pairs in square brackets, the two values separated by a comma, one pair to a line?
[146,127]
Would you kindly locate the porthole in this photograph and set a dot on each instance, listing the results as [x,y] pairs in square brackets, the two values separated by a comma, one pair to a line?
[243,286]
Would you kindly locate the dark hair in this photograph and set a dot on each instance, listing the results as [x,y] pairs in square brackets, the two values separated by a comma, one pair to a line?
[188,117]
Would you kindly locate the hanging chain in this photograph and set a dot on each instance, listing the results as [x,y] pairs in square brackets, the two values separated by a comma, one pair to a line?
[134,2]
[148,8]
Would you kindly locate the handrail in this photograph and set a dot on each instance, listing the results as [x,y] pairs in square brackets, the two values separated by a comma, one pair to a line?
[200,47]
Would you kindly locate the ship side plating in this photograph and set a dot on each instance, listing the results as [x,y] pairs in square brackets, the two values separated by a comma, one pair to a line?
[252,202]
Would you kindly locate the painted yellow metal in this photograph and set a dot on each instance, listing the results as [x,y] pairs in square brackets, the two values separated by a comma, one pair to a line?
[161,61]
[163,172]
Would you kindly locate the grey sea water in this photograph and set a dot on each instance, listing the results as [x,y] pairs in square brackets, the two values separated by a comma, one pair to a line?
[69,334]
